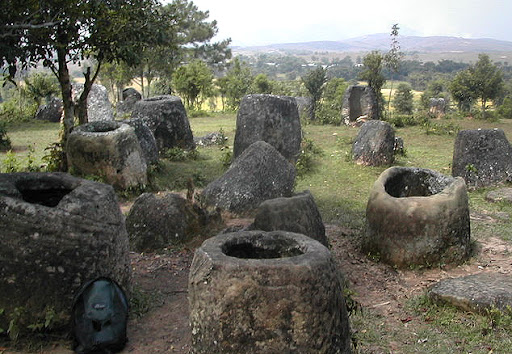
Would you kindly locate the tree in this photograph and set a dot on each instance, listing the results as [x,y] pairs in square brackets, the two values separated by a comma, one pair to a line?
[393,57]
[60,32]
[261,84]
[41,85]
[193,81]
[329,110]
[488,78]
[236,83]
[372,73]
[483,81]
[188,37]
[314,82]
[463,90]
[403,101]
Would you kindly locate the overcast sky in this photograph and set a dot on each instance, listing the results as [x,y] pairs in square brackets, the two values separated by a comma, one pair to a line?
[258,22]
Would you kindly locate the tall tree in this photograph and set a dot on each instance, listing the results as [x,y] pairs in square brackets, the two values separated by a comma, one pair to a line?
[372,73]
[463,90]
[393,57]
[60,32]
[483,80]
[194,81]
[403,101]
[314,82]
[188,37]
[489,79]
[236,83]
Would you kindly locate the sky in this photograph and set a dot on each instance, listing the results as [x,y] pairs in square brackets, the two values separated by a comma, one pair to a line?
[262,22]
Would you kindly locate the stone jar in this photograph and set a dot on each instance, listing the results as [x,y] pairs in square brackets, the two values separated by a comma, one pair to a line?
[418,217]
[266,292]
[58,232]
[110,150]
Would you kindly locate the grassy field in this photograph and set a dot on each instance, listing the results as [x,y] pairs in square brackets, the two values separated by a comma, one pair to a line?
[341,189]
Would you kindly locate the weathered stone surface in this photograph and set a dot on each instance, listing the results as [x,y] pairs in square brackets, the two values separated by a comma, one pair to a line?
[58,232]
[418,217]
[108,149]
[130,97]
[374,144]
[266,292]
[297,214]
[260,173]
[482,157]
[99,107]
[131,92]
[210,139]
[146,139]
[359,101]
[304,105]
[159,220]
[437,106]
[50,112]
[475,293]
[273,119]
[500,195]
[167,119]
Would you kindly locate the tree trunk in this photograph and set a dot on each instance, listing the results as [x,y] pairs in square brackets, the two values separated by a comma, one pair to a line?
[67,99]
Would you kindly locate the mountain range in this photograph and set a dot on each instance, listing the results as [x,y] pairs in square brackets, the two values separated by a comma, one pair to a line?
[381,41]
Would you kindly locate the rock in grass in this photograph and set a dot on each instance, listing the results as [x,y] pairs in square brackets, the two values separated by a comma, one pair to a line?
[475,293]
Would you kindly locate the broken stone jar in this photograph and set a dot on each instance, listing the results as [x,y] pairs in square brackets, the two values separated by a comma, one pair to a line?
[418,217]
[266,292]
[58,232]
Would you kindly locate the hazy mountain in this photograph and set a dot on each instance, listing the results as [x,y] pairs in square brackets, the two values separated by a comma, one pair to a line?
[381,41]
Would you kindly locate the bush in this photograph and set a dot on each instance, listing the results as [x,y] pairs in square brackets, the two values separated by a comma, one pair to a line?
[306,161]
[5,142]
[505,109]
[15,110]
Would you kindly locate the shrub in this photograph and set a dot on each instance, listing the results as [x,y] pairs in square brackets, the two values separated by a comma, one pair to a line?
[5,142]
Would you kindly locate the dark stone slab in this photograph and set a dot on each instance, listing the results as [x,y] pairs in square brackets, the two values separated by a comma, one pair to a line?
[482,157]
[475,293]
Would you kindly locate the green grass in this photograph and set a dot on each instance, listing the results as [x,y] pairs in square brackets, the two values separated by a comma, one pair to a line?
[341,189]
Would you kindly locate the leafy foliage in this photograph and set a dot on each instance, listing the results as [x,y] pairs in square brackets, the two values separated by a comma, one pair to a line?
[194,82]
[314,82]
[403,100]
[329,110]
[372,73]
[236,84]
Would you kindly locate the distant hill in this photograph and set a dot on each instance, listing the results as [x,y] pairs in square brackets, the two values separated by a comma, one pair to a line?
[381,41]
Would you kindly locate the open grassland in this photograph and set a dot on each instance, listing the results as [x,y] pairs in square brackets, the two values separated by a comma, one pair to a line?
[390,318]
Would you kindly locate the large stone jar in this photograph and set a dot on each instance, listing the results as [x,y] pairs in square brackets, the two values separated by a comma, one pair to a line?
[58,232]
[266,292]
[110,150]
[418,217]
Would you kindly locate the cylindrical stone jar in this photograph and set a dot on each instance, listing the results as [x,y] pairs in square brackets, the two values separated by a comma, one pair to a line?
[58,232]
[418,217]
[266,292]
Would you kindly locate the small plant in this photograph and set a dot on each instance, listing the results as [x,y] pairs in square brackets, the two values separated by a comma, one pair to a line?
[432,128]
[31,167]
[55,158]
[306,161]
[11,164]
[227,156]
[177,154]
